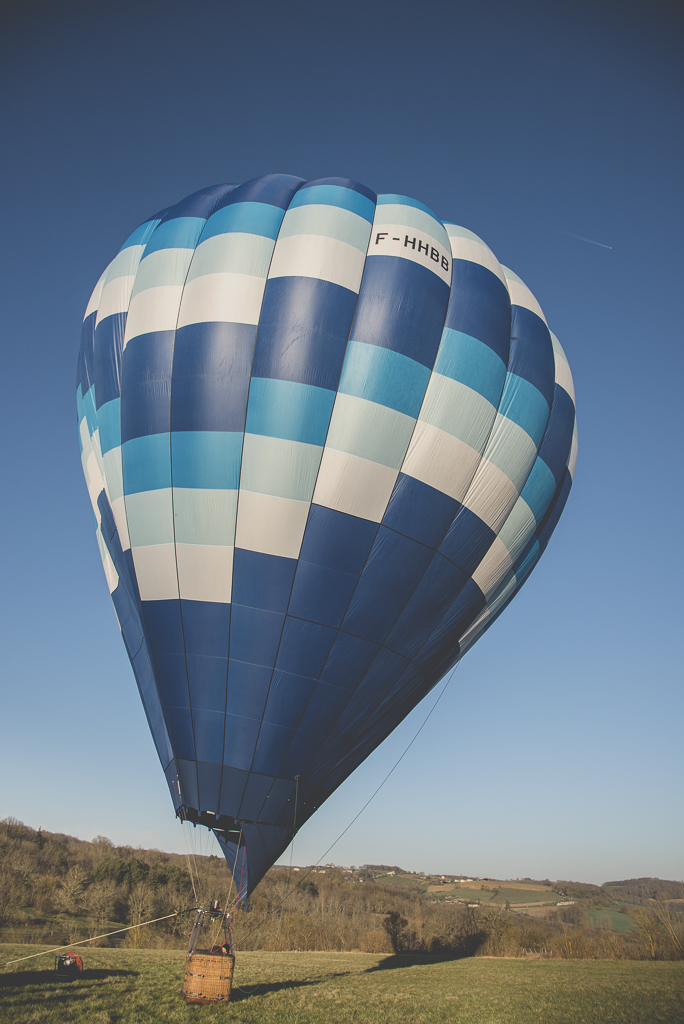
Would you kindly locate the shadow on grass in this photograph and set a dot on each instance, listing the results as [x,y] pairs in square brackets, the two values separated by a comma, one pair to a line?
[238,994]
[19,979]
[464,950]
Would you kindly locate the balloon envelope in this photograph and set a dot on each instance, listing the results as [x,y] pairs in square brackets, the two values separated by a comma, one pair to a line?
[326,437]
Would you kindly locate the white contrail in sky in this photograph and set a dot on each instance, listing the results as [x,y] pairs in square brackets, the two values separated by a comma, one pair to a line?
[584,238]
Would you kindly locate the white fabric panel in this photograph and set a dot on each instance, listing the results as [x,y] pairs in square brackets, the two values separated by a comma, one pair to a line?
[155,570]
[353,485]
[389,240]
[273,465]
[520,294]
[326,259]
[94,481]
[205,573]
[111,574]
[370,431]
[234,252]
[223,298]
[115,297]
[150,517]
[204,516]
[474,250]
[518,528]
[113,472]
[163,268]
[572,458]
[491,496]
[270,524]
[119,512]
[512,450]
[94,300]
[458,410]
[125,263]
[440,460]
[493,567]
[155,309]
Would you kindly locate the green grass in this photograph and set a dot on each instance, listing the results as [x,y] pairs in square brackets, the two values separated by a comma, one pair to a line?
[462,892]
[129,987]
[617,921]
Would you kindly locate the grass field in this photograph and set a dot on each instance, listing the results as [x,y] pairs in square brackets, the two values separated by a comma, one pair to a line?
[129,987]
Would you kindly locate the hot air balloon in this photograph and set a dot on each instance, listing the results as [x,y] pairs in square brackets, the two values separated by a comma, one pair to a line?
[326,437]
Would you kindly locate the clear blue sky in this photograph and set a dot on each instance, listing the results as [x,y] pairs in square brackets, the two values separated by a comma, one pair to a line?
[557,749]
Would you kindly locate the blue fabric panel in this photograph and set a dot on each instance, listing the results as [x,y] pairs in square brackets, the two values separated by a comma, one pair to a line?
[280,802]
[109,422]
[337,540]
[201,203]
[247,218]
[90,411]
[557,441]
[471,362]
[287,701]
[209,783]
[173,679]
[164,627]
[460,616]
[384,376]
[480,306]
[255,793]
[207,682]
[147,687]
[420,511]
[532,352]
[395,567]
[176,233]
[271,748]
[208,733]
[233,782]
[107,351]
[255,635]
[240,740]
[303,331]
[539,488]
[295,412]
[401,307]
[87,342]
[434,595]
[146,463]
[248,687]
[180,732]
[553,513]
[142,234]
[304,647]
[187,769]
[522,403]
[206,459]
[211,368]
[274,189]
[261,580]
[339,192]
[323,710]
[468,541]
[146,385]
[236,859]
[321,594]
[348,661]
[206,627]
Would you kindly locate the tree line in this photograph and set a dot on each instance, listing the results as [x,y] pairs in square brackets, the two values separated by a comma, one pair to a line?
[55,888]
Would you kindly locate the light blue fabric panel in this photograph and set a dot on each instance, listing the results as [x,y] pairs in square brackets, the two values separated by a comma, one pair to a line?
[416,218]
[206,458]
[149,517]
[286,469]
[329,221]
[146,463]
[288,409]
[370,431]
[142,234]
[168,266]
[203,516]
[458,410]
[90,410]
[466,359]
[109,421]
[511,450]
[179,233]
[526,406]
[384,376]
[248,218]
[392,200]
[335,195]
[539,489]
[234,253]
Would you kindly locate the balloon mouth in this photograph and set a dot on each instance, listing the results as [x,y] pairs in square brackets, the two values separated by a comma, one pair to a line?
[231,828]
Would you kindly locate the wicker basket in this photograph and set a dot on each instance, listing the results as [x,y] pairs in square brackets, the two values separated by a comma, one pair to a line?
[208,978]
